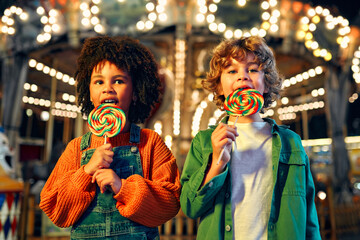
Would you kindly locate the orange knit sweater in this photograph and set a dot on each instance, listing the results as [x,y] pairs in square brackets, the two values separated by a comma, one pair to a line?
[150,200]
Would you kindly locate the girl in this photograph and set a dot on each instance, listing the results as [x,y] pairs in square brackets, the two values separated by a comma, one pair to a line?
[127,187]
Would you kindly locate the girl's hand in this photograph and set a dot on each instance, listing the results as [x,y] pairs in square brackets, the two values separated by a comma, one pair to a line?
[107,177]
[101,158]
[221,138]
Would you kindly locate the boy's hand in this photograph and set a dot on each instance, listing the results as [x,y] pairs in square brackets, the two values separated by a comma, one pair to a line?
[107,177]
[221,138]
[101,158]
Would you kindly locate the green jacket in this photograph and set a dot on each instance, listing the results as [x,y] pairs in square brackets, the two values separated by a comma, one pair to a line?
[293,213]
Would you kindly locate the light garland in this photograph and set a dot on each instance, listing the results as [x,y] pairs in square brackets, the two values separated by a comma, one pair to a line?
[308,26]
[168,141]
[158,127]
[270,19]
[352,142]
[302,76]
[90,12]
[195,127]
[60,109]
[50,22]
[356,65]
[214,119]
[180,55]
[155,13]
[353,97]
[8,19]
[301,107]
[51,72]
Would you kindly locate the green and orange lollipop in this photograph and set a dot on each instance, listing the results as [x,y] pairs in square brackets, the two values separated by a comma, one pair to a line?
[243,102]
[106,120]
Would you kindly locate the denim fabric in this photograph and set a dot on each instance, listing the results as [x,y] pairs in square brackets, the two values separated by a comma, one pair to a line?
[102,219]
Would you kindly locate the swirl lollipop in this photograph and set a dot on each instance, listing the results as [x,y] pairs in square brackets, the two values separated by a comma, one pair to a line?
[242,102]
[106,119]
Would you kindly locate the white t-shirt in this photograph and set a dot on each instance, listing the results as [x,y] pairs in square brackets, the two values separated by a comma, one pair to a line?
[252,182]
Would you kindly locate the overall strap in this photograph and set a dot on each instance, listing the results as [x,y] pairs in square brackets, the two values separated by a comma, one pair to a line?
[134,133]
[85,141]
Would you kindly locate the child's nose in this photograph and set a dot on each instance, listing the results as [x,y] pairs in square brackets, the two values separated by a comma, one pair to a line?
[243,76]
[108,88]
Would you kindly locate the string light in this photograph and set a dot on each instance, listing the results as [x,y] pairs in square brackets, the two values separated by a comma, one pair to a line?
[8,19]
[270,17]
[302,76]
[51,24]
[195,126]
[168,141]
[158,127]
[51,72]
[155,13]
[60,109]
[180,55]
[90,16]
[301,107]
[356,65]
[308,25]
[353,97]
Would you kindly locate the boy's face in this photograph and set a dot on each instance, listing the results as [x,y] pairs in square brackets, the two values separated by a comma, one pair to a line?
[111,85]
[241,74]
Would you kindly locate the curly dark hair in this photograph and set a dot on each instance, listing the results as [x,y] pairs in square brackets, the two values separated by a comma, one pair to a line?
[239,49]
[128,55]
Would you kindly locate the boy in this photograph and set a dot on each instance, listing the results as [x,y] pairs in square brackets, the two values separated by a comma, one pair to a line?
[263,188]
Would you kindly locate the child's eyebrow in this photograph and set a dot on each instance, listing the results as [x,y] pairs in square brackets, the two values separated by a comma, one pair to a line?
[253,63]
[115,76]
[121,76]
[96,75]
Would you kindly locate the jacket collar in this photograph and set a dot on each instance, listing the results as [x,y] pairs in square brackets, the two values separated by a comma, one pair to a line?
[274,127]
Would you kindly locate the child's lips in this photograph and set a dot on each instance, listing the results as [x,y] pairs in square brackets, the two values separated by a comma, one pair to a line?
[245,87]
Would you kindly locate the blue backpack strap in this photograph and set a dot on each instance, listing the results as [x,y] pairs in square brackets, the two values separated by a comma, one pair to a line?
[85,141]
[134,133]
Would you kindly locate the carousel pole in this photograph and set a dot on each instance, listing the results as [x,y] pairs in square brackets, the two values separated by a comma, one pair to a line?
[50,123]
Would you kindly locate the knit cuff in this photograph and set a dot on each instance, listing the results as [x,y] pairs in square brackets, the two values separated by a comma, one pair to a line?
[82,180]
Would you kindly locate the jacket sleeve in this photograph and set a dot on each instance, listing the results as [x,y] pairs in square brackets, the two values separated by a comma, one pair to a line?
[68,191]
[312,224]
[196,200]
[153,199]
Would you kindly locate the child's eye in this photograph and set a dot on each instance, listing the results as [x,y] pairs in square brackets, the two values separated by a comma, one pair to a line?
[119,81]
[232,71]
[98,82]
[253,70]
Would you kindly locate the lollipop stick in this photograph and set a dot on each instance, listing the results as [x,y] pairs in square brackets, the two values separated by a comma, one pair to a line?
[222,151]
[105,139]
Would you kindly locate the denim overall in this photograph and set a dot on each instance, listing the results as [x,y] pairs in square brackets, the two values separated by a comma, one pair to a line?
[102,219]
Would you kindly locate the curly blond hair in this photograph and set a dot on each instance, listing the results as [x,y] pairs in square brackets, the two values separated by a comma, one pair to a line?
[239,49]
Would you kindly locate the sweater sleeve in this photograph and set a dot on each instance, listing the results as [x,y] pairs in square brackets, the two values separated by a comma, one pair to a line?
[68,191]
[153,199]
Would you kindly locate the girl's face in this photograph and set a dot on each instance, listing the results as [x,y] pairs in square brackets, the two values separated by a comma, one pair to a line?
[241,74]
[111,85]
